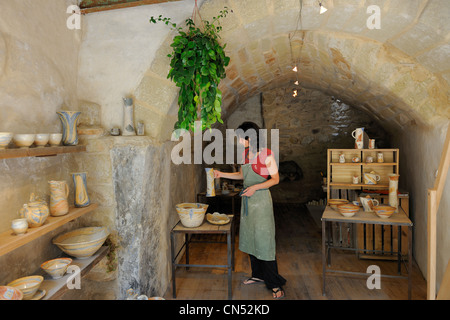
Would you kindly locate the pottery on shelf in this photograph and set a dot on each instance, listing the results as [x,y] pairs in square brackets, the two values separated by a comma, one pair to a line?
[348,210]
[82,243]
[10,293]
[56,268]
[28,285]
[335,202]
[5,139]
[128,118]
[19,226]
[371,177]
[41,139]
[24,140]
[59,191]
[55,139]
[393,190]
[36,212]
[69,120]
[81,198]
[384,211]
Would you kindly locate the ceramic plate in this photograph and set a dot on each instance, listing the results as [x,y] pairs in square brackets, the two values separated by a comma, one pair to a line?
[217,218]
[39,295]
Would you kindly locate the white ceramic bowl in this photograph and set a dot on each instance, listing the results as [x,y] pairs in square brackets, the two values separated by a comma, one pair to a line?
[82,243]
[41,139]
[5,139]
[19,226]
[24,140]
[191,214]
[28,285]
[56,268]
[55,139]
[10,293]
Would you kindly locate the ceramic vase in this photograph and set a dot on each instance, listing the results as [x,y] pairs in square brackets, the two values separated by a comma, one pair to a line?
[358,135]
[69,120]
[210,187]
[128,118]
[80,189]
[393,190]
[59,191]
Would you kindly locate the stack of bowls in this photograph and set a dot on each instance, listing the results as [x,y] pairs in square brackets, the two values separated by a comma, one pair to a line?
[336,202]
[384,211]
[28,285]
[348,210]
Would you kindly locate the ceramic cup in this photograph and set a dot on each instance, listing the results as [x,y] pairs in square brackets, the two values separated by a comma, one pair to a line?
[19,226]
[55,139]
[41,139]
[371,143]
[380,157]
[355,179]
[369,159]
[115,132]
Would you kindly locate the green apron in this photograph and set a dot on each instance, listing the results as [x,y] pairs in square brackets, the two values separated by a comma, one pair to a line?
[257,225]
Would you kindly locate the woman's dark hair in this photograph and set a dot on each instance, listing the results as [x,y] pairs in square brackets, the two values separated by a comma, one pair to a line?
[250,132]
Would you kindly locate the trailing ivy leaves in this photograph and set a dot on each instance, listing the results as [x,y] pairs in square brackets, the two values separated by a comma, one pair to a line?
[198,63]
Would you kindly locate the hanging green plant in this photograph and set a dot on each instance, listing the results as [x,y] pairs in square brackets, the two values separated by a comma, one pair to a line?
[198,64]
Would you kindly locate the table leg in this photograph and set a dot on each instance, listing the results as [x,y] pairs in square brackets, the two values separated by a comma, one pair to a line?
[323,256]
[399,250]
[229,264]
[233,244]
[172,253]
[328,254]
[186,239]
[409,262]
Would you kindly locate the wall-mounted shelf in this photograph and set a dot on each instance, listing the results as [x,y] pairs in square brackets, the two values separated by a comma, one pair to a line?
[9,241]
[39,152]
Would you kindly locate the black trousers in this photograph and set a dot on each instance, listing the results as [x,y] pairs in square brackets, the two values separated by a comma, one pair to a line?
[267,271]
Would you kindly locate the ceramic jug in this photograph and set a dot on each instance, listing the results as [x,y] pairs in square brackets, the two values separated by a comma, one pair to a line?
[358,135]
[371,178]
[36,212]
[128,118]
[80,188]
[210,186]
[393,190]
[69,120]
[59,191]
[368,203]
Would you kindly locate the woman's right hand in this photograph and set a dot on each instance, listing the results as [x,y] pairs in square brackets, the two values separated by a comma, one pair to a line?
[217,174]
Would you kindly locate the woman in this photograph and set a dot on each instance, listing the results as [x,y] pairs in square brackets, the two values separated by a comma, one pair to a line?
[257,224]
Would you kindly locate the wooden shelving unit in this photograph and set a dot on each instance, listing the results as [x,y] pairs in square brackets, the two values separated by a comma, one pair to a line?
[39,152]
[9,241]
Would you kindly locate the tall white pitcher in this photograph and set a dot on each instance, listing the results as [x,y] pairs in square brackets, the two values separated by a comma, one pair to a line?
[358,135]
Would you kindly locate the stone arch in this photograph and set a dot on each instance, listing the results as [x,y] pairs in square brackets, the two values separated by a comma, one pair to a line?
[394,73]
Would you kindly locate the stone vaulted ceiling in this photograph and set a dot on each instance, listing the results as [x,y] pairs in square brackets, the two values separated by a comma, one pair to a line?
[399,73]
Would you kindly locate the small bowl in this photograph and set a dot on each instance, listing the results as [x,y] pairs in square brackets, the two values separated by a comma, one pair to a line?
[10,293]
[55,139]
[28,285]
[41,139]
[19,226]
[56,268]
[24,140]
[5,139]
[384,211]
[335,202]
[348,210]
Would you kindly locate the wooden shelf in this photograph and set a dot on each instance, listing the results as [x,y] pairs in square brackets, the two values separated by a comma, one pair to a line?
[55,288]
[9,241]
[39,152]
[364,164]
[339,184]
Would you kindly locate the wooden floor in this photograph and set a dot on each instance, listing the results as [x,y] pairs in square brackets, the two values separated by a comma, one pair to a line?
[299,261]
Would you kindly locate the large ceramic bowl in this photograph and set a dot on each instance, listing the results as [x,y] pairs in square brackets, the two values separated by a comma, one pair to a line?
[41,139]
[28,285]
[384,211]
[336,202]
[24,140]
[348,210]
[56,268]
[10,293]
[191,214]
[82,243]
[5,139]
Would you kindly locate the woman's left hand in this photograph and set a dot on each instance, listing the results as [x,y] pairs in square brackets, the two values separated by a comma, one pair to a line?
[249,191]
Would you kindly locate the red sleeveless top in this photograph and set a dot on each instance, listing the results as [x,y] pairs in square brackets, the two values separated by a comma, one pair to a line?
[259,162]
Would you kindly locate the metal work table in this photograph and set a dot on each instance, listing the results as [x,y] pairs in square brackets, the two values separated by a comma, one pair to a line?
[205,228]
[397,219]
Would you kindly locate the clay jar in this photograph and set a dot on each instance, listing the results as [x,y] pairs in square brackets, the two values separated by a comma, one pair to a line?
[36,212]
[59,191]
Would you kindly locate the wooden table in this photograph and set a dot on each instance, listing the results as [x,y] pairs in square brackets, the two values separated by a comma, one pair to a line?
[205,228]
[219,195]
[397,219]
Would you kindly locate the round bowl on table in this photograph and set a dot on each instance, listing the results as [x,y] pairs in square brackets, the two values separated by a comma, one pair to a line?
[24,140]
[348,210]
[82,243]
[41,139]
[191,214]
[5,139]
[28,285]
[334,203]
[56,268]
[384,211]
[10,293]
